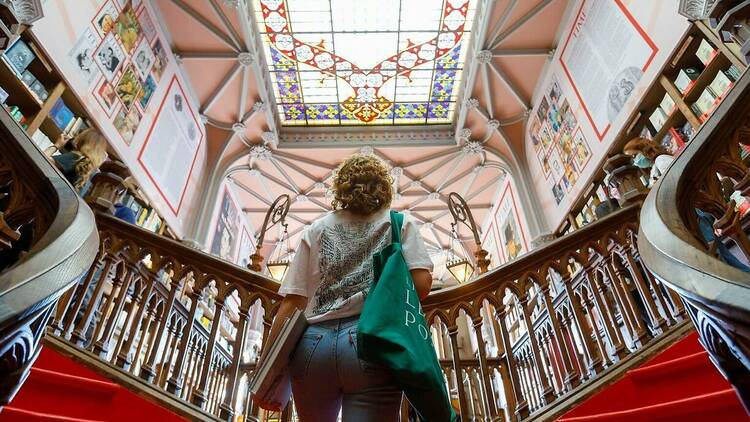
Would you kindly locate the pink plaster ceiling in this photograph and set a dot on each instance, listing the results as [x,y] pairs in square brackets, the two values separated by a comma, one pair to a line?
[208,37]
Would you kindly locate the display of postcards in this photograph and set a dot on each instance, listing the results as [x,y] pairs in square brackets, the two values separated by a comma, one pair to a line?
[106,96]
[705,52]
[3,95]
[686,78]
[19,56]
[160,62]
[149,86]
[581,152]
[39,90]
[61,114]
[541,112]
[706,101]
[546,137]
[143,59]
[127,28]
[720,85]
[129,88]
[558,193]
[126,123]
[554,92]
[147,25]
[105,18]
[545,166]
[81,56]
[28,78]
[110,57]
[565,141]
[658,118]
[556,165]
[667,104]
[571,174]
[569,119]
[555,118]
[534,129]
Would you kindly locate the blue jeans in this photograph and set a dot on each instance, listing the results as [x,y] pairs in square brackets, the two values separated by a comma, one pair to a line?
[328,377]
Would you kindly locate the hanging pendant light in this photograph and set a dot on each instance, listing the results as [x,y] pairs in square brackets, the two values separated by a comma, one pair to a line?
[278,267]
[459,267]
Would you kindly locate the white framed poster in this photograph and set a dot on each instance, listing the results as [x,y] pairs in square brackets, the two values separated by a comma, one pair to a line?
[171,147]
[226,230]
[604,56]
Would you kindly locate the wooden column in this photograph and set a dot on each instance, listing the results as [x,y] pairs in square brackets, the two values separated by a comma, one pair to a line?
[174,384]
[546,390]
[484,369]
[521,408]
[570,375]
[123,357]
[79,334]
[607,313]
[102,345]
[147,372]
[199,396]
[453,334]
[594,360]
[227,407]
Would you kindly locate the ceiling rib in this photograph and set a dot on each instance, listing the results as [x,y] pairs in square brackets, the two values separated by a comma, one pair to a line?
[220,88]
[487,91]
[206,55]
[236,38]
[522,52]
[519,23]
[511,86]
[502,21]
[218,33]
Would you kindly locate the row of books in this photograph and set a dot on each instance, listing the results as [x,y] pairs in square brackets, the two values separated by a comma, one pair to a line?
[145,217]
[714,93]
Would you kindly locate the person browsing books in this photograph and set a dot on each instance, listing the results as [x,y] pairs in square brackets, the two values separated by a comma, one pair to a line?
[329,279]
[81,157]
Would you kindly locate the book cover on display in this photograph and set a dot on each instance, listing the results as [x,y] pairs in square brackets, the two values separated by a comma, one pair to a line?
[705,52]
[19,55]
[720,85]
[658,118]
[61,114]
[686,79]
[667,104]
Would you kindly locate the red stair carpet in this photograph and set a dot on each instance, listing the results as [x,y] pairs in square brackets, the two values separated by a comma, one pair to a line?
[679,384]
[59,389]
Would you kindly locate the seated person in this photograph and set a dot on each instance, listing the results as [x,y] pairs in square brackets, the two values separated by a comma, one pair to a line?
[648,154]
[82,157]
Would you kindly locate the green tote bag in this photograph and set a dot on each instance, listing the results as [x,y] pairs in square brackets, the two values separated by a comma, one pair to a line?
[393,332]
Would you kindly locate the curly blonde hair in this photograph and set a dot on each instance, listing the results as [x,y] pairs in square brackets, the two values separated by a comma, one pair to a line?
[362,185]
[93,149]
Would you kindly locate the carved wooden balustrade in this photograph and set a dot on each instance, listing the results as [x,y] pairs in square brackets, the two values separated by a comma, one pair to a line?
[136,309]
[694,237]
[547,327]
[47,240]
[523,341]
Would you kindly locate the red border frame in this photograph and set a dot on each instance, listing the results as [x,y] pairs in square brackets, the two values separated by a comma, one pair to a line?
[93,19]
[641,32]
[508,188]
[148,138]
[588,148]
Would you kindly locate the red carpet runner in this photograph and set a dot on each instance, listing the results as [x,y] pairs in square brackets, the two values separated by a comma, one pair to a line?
[60,389]
[680,384]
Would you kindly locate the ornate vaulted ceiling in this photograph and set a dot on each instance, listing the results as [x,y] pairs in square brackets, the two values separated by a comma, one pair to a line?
[222,54]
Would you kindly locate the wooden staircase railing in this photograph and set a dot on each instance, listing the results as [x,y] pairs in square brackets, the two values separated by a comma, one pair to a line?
[594,311]
[47,240]
[681,248]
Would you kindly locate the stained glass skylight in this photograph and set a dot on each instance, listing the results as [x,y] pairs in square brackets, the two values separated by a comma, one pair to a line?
[360,62]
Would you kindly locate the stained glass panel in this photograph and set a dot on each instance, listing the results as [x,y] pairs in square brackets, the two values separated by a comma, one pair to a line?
[383,62]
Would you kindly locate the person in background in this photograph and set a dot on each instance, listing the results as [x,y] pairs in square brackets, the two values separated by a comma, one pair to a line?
[85,153]
[648,154]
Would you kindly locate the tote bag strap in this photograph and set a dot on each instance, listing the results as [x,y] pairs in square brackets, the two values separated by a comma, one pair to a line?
[397,220]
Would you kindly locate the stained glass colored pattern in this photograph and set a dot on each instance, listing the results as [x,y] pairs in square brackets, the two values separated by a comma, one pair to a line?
[385,62]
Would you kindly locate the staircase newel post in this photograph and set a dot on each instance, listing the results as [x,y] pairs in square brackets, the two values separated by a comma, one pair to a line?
[147,371]
[79,334]
[521,406]
[607,313]
[453,335]
[571,376]
[547,393]
[123,357]
[174,384]
[102,345]
[227,407]
[199,395]
[657,320]
[484,369]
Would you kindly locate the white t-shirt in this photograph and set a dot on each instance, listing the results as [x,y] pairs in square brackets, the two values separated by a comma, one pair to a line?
[333,266]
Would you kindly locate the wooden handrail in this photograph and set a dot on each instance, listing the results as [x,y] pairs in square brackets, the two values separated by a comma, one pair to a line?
[48,239]
[674,248]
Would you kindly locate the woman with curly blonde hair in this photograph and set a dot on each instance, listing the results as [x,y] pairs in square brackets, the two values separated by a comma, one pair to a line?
[88,152]
[329,278]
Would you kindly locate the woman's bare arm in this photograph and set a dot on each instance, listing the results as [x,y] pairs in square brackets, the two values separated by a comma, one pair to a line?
[422,282]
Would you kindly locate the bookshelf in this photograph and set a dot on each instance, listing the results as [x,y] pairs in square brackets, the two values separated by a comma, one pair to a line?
[20,89]
[716,65]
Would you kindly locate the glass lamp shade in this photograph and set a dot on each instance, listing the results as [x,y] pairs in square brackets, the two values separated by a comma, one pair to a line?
[278,269]
[460,269]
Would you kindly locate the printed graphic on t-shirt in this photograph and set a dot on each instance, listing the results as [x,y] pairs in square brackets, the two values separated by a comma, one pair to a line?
[345,262]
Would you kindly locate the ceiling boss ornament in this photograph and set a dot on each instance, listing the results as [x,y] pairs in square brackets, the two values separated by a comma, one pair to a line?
[367,99]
